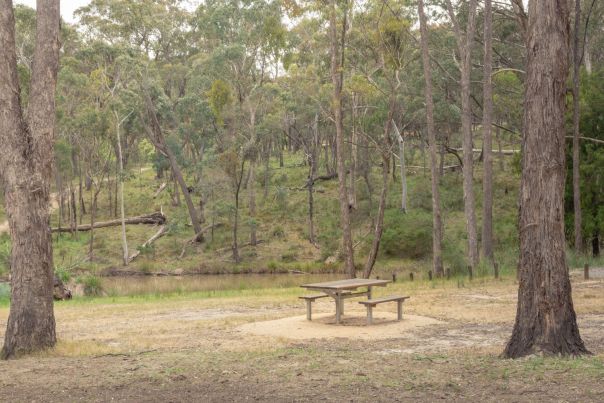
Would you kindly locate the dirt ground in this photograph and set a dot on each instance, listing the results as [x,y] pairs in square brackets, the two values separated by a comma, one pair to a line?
[185,348]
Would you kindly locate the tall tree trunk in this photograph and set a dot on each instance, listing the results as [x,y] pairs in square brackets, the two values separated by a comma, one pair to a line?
[401,157]
[125,255]
[379,222]
[437,227]
[545,317]
[465,42]
[576,134]
[251,184]
[336,77]
[353,156]
[487,121]
[26,169]
[156,136]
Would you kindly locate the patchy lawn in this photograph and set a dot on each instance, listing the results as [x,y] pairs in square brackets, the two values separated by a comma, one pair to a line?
[194,347]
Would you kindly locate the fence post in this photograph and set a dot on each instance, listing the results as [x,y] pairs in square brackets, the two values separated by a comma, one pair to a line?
[496,269]
[586,271]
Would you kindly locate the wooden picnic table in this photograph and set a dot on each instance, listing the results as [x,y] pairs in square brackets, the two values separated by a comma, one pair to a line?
[342,289]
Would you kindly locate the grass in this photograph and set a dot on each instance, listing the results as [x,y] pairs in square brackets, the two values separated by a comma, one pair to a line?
[130,343]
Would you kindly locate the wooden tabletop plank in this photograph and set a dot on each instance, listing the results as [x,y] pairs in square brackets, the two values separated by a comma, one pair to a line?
[349,284]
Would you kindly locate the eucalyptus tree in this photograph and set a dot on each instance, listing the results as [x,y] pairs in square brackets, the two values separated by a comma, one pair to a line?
[244,40]
[437,227]
[28,134]
[545,319]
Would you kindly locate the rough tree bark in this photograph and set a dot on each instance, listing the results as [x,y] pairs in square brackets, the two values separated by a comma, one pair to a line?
[545,317]
[26,169]
[576,134]
[487,120]
[464,43]
[336,101]
[437,228]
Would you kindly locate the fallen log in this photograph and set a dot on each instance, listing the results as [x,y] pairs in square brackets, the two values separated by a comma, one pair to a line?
[149,219]
[163,230]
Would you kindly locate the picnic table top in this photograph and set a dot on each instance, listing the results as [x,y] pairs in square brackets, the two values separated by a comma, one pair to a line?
[349,284]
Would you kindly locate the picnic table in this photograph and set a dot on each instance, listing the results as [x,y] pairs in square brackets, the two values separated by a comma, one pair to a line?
[340,290]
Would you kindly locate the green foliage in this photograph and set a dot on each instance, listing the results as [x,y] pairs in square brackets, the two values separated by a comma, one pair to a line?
[4,254]
[219,96]
[92,285]
[63,274]
[407,235]
[4,293]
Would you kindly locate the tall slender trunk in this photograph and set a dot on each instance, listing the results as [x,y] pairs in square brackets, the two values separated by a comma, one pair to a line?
[156,136]
[125,254]
[379,222]
[251,184]
[401,157]
[26,169]
[545,317]
[465,42]
[487,121]
[336,77]
[437,227]
[576,134]
[353,156]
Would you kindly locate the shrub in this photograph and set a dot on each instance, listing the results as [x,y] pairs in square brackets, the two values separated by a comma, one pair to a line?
[92,285]
[63,274]
[407,235]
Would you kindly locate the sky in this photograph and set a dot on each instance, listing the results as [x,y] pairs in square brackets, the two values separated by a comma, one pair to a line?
[67,7]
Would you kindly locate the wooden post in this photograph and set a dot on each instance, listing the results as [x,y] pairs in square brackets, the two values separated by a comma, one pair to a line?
[470,272]
[394,277]
[399,309]
[369,315]
[411,276]
[338,307]
[448,273]
[430,275]
[496,269]
[586,271]
[368,292]
[308,309]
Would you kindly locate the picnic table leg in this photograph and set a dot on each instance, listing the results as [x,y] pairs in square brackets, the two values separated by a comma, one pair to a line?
[399,310]
[369,315]
[338,308]
[308,309]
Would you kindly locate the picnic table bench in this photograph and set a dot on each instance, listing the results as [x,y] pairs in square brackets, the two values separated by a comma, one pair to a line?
[342,289]
[371,303]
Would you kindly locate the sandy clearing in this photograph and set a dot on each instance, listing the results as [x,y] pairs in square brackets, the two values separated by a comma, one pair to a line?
[353,326]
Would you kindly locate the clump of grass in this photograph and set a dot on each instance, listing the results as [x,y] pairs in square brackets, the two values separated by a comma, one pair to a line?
[92,285]
[4,293]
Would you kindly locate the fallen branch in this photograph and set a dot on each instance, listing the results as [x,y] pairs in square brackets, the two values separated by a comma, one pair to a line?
[161,188]
[587,139]
[152,219]
[198,237]
[163,230]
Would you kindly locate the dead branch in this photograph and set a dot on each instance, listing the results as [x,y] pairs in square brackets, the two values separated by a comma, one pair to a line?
[163,230]
[150,219]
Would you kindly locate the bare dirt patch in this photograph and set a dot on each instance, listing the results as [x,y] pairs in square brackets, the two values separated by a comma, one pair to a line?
[353,326]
